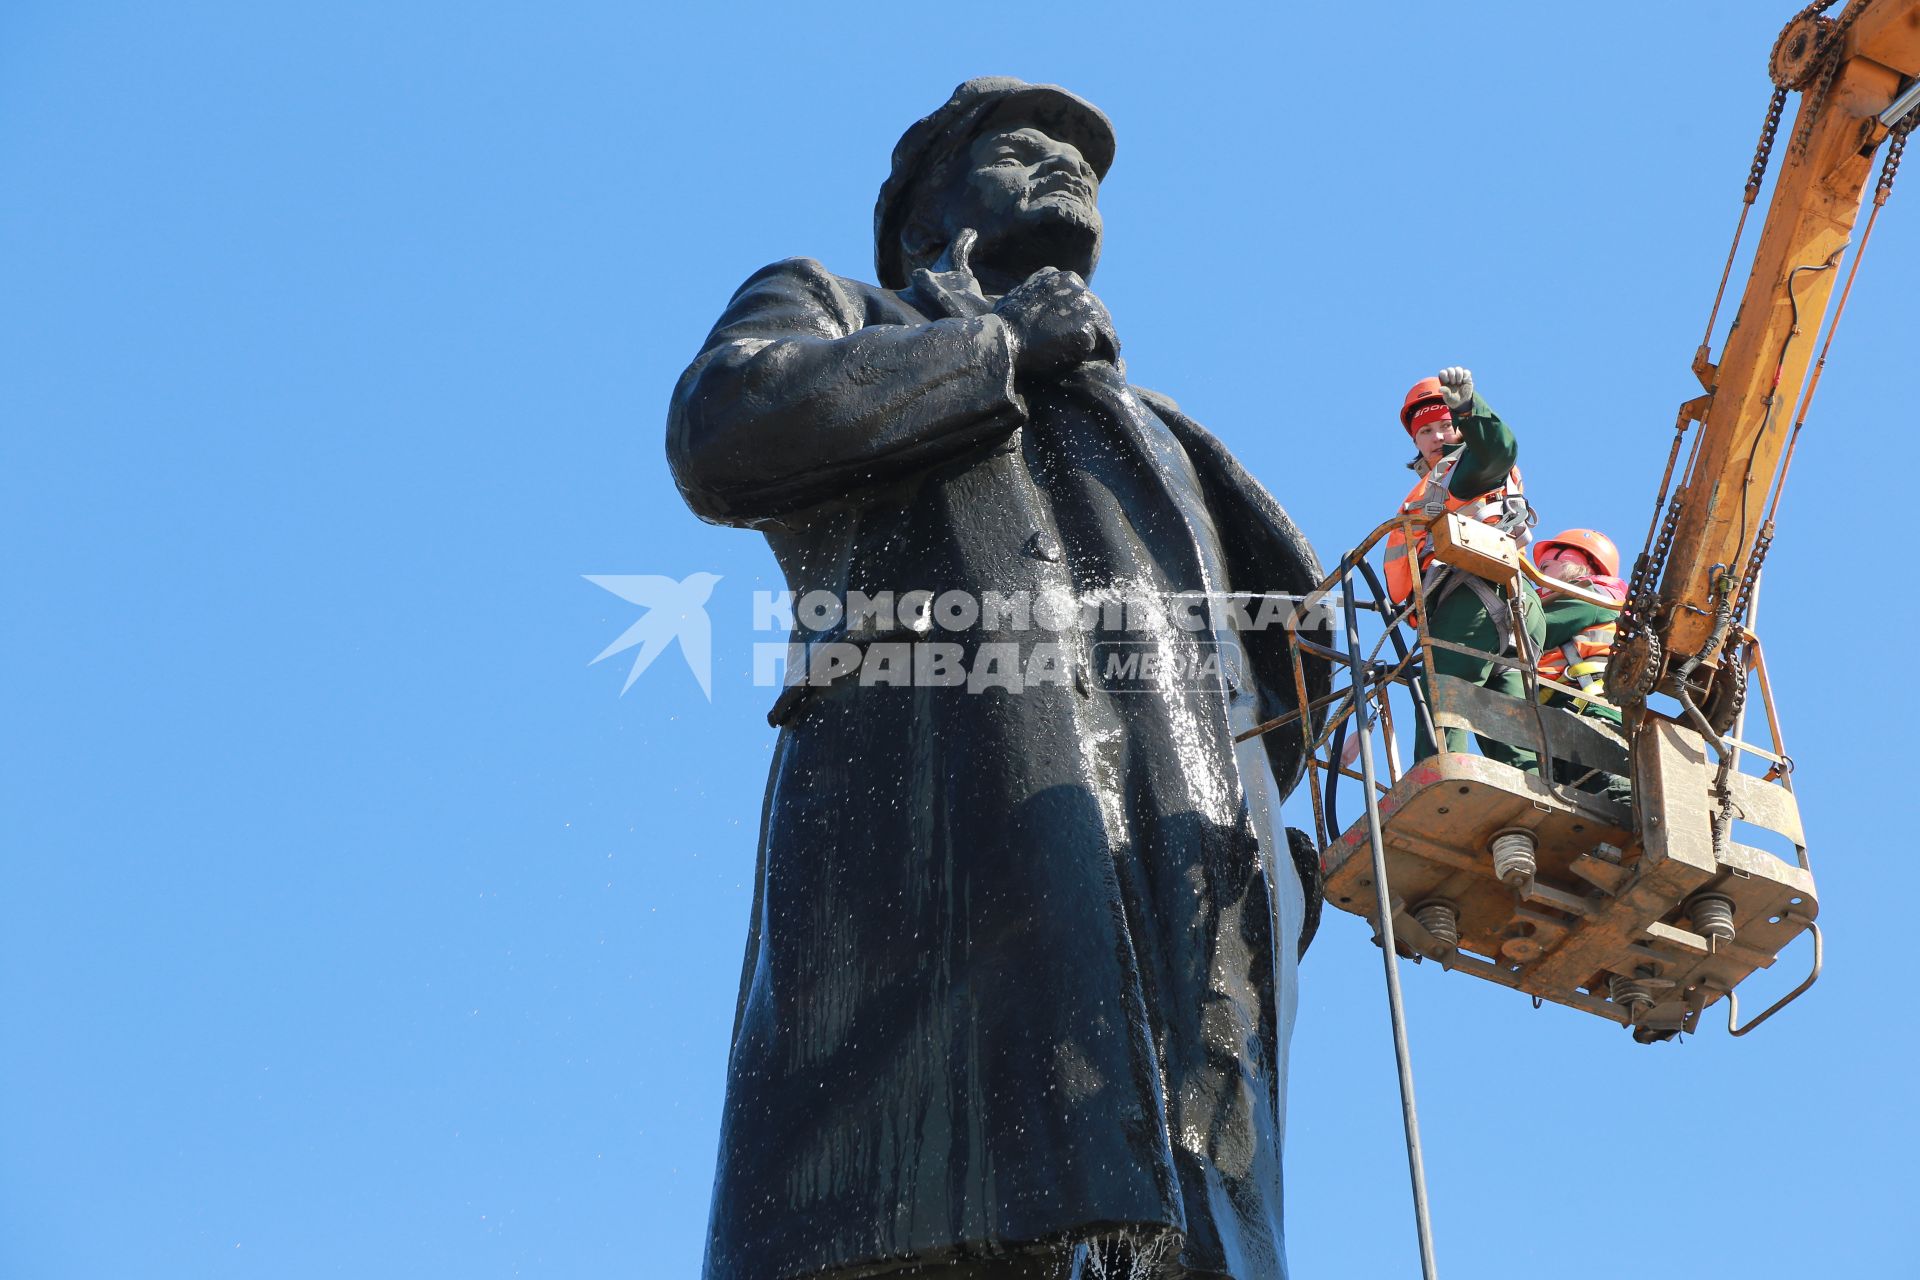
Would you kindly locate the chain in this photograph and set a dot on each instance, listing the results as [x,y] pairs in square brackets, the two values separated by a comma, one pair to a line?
[1762,543]
[1757,172]
[1653,556]
[1832,35]
[1813,101]
[1890,167]
[1646,573]
[1792,30]
[1817,7]
[1665,544]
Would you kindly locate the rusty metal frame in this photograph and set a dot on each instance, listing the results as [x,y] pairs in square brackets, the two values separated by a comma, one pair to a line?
[1813,976]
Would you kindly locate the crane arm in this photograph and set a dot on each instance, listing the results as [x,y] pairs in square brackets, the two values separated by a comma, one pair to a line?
[1810,218]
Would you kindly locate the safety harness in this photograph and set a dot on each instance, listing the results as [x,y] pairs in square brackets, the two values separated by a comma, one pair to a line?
[1580,661]
[1505,508]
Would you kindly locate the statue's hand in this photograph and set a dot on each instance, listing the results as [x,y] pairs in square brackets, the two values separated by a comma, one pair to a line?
[1056,323]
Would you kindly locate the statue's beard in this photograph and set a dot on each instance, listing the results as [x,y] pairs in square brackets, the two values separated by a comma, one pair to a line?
[1051,232]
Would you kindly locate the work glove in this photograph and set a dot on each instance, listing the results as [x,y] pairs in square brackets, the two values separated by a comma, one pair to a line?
[1456,387]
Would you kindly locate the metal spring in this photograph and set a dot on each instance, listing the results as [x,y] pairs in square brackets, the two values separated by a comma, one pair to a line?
[1712,916]
[1630,993]
[1513,860]
[1440,918]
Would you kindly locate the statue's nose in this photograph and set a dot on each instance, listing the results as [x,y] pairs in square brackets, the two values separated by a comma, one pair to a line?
[1058,169]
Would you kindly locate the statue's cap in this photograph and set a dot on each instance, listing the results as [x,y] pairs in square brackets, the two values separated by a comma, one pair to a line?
[999,101]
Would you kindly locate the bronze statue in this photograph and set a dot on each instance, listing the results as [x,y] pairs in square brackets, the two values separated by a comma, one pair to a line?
[1020,970]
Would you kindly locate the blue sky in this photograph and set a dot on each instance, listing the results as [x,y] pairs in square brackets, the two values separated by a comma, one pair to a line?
[354,925]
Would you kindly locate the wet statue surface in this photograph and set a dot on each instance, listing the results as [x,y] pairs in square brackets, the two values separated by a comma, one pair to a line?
[1020,972]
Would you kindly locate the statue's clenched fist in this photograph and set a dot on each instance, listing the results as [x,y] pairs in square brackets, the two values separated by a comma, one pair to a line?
[1056,323]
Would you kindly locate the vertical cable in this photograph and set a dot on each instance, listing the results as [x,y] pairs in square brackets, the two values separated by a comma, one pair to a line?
[1383,921]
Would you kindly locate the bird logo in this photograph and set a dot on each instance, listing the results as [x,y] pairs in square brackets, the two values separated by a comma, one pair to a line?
[674,611]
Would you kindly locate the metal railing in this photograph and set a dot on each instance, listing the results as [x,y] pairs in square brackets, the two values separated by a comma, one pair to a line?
[1405,635]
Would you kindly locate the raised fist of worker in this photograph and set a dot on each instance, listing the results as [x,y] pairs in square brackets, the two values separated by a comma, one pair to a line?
[1056,323]
[1456,387]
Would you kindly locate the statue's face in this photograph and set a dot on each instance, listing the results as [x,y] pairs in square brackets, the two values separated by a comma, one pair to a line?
[1032,199]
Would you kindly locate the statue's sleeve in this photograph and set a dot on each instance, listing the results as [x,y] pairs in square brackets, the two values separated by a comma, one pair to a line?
[796,399]
[1267,554]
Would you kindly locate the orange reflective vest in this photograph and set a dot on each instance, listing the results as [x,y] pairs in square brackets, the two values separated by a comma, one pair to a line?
[1504,507]
[1581,661]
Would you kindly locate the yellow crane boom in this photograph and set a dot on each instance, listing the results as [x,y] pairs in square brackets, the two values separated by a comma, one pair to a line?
[1850,71]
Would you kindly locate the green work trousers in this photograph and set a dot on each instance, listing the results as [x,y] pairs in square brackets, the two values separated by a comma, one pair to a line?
[1611,786]
[1460,617]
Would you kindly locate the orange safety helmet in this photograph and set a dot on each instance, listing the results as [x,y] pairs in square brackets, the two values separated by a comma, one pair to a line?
[1591,543]
[1425,390]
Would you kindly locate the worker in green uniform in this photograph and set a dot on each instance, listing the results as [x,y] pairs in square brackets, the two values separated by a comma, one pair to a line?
[1466,465]
[1580,638]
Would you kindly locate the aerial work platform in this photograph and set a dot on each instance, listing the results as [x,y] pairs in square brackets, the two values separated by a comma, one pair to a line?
[1645,913]
[1647,932]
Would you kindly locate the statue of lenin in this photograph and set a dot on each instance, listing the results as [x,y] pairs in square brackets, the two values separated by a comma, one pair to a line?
[1020,971]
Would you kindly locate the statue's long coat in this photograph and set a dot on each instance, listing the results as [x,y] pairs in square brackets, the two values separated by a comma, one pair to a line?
[1020,966]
